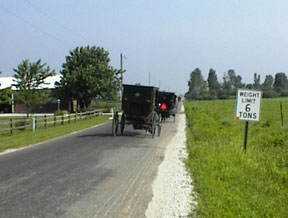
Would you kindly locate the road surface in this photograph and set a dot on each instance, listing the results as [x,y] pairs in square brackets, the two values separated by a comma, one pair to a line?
[86,174]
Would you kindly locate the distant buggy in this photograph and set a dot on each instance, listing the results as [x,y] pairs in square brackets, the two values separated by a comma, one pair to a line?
[166,104]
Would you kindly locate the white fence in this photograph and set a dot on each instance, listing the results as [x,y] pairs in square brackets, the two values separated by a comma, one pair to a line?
[35,122]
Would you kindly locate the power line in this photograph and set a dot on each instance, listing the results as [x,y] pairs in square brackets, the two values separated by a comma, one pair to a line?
[44,13]
[32,25]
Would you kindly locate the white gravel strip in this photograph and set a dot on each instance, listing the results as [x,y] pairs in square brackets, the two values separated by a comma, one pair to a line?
[172,188]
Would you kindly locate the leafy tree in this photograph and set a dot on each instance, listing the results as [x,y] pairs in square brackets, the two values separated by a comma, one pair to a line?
[5,96]
[281,84]
[268,83]
[213,83]
[29,78]
[238,82]
[196,84]
[231,82]
[267,87]
[234,80]
[256,84]
[226,85]
[86,74]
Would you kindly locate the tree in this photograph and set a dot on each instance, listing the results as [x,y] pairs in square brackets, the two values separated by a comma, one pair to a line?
[5,96]
[196,84]
[268,83]
[86,74]
[213,84]
[256,84]
[238,82]
[267,87]
[29,78]
[281,84]
[231,82]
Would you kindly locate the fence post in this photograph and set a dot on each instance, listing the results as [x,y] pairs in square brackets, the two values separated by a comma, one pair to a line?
[11,126]
[75,117]
[33,124]
[36,123]
[54,120]
[62,119]
[45,120]
[281,111]
[69,118]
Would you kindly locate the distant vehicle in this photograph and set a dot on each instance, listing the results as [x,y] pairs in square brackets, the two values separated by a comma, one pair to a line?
[139,110]
[166,102]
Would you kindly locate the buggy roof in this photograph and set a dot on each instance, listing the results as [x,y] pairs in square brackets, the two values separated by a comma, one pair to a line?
[135,90]
[166,93]
[140,86]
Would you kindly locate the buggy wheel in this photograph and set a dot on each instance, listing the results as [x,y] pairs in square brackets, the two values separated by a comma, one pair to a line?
[159,125]
[122,124]
[153,130]
[174,118]
[159,129]
[115,124]
[163,118]
[153,125]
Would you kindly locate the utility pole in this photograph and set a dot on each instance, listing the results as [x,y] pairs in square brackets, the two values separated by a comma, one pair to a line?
[121,74]
[121,68]
[149,78]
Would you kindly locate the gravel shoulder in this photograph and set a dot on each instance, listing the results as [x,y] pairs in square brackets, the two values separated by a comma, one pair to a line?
[172,188]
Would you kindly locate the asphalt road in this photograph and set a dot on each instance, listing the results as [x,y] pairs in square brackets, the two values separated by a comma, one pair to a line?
[86,174]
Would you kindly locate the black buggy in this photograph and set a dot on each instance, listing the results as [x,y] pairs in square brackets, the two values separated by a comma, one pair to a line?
[166,105]
[139,110]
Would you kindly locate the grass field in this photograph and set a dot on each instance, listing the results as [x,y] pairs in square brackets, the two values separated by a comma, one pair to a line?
[21,138]
[228,181]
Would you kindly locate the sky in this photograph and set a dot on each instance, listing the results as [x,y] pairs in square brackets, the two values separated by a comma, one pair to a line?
[162,41]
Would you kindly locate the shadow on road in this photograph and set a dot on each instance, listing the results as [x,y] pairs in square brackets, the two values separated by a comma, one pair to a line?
[126,134]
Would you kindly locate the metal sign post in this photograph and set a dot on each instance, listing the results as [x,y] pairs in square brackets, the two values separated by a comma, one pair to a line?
[246,135]
[248,108]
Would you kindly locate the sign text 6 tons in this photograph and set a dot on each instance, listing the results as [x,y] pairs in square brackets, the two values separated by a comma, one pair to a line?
[248,105]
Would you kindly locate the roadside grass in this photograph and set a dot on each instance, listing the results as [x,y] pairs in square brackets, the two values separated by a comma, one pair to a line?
[228,181]
[21,138]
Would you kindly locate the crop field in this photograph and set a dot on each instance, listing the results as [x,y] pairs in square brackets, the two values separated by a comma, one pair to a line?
[229,182]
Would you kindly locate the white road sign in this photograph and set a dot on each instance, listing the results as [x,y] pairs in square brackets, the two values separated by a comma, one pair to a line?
[248,105]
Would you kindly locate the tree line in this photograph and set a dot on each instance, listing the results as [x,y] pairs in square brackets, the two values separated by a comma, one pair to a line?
[86,74]
[199,89]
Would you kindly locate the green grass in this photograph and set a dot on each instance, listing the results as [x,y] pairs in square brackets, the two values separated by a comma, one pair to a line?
[228,181]
[21,138]
[106,105]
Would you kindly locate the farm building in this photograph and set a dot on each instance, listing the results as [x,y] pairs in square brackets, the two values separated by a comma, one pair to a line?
[50,107]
